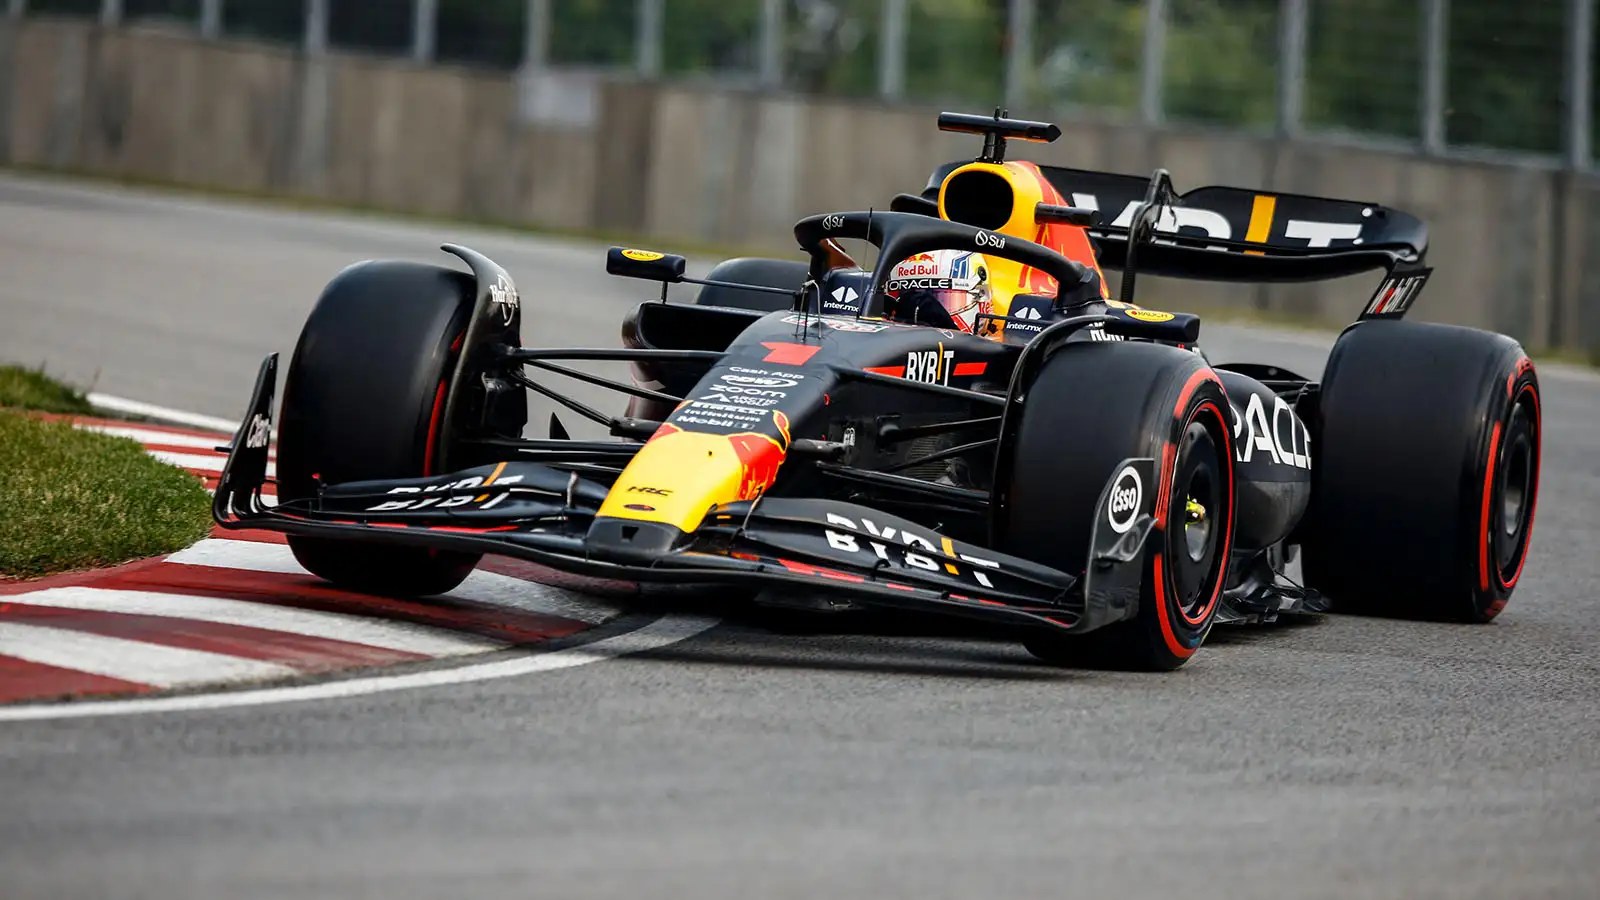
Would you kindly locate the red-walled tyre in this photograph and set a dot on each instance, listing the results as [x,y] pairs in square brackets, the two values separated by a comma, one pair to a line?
[1092,405]
[363,399]
[1425,472]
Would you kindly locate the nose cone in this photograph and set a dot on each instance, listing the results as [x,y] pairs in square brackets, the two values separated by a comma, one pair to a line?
[676,478]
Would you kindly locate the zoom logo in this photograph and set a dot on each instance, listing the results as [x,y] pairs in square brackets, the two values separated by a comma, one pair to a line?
[1127,495]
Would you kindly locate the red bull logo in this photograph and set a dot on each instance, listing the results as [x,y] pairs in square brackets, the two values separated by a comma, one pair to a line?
[760,456]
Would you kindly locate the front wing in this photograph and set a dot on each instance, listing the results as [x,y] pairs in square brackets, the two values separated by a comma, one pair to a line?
[547,515]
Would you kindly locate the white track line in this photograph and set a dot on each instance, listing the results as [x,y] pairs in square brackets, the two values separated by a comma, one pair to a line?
[660,633]
[404,636]
[480,586]
[151,411]
[127,660]
[200,463]
[160,438]
[253,556]
[531,596]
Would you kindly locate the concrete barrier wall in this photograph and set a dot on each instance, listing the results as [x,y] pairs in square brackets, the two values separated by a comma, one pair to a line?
[1512,246]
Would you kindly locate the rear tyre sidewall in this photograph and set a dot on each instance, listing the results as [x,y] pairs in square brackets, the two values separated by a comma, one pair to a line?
[1146,400]
[1439,428]
[363,399]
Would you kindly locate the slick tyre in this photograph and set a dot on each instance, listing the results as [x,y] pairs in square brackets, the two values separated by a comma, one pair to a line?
[1090,406]
[1425,472]
[363,399]
[778,273]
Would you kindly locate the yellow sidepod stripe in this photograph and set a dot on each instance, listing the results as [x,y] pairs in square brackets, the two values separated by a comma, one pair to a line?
[677,476]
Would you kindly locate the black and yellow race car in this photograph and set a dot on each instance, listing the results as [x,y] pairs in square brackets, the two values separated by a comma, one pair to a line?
[974,427]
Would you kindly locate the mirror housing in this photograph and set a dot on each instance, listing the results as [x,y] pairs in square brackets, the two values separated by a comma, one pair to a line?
[649,265]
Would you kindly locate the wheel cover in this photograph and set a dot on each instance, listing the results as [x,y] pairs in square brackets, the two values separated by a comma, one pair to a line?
[1196,504]
[1515,485]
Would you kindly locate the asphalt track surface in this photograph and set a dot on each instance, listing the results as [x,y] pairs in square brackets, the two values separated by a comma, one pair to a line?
[1350,757]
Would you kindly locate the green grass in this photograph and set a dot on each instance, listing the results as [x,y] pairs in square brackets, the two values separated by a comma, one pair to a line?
[32,389]
[72,499]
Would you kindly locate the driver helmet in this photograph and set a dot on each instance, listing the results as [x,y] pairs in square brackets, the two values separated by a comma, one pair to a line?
[944,288]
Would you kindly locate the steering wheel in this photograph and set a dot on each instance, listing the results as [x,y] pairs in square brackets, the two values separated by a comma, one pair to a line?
[899,235]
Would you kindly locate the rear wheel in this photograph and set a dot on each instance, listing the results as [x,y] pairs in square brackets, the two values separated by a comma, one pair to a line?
[1426,471]
[1147,400]
[363,399]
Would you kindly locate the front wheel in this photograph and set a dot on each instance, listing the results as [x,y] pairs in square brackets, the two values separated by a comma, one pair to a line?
[1147,400]
[363,399]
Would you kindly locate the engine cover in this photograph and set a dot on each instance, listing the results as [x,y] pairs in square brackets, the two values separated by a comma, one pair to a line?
[1272,461]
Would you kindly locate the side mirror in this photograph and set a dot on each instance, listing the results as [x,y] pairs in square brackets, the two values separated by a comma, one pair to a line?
[1180,328]
[649,265]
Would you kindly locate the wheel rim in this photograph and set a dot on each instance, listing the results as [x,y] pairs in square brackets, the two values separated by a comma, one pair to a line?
[1196,503]
[1515,477]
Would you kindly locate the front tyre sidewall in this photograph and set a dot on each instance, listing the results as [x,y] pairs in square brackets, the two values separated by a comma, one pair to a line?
[1184,592]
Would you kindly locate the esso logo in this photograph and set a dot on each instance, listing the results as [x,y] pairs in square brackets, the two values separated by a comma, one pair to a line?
[759,381]
[985,239]
[1127,494]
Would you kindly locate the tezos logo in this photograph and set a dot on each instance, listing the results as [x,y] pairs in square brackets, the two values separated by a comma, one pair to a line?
[986,239]
[1127,494]
[832,222]
[260,431]
[504,295]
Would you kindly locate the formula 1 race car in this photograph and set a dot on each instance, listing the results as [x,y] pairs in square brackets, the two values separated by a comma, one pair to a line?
[974,427]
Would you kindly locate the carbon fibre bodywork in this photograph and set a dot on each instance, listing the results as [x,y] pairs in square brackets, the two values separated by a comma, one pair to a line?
[836,445]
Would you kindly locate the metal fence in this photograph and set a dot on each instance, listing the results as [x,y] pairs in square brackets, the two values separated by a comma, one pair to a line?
[1439,76]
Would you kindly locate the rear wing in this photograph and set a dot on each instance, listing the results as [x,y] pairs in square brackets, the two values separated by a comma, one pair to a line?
[1233,234]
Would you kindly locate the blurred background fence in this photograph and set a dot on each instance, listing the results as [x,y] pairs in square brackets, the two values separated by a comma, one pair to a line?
[1442,77]
[724,121]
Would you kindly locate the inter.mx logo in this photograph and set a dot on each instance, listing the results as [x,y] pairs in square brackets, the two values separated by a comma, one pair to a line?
[844,297]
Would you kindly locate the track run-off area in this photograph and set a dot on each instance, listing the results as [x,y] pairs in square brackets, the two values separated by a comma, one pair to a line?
[730,753]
